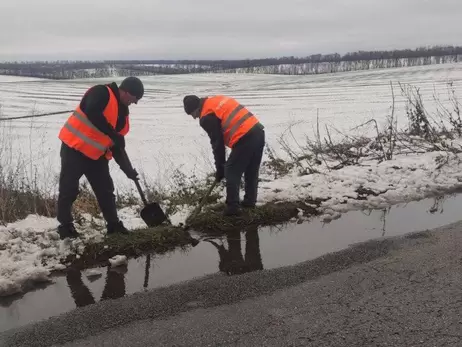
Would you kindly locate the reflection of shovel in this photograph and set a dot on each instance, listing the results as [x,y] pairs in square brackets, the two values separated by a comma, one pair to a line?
[151,213]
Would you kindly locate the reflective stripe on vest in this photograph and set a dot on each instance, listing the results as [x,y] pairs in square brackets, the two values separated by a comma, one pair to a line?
[238,123]
[83,137]
[236,120]
[231,116]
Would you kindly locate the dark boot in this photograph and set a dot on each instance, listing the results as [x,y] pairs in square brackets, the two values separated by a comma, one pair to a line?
[247,205]
[232,211]
[67,230]
[118,227]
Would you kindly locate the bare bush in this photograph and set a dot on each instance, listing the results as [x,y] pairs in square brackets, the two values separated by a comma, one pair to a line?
[425,132]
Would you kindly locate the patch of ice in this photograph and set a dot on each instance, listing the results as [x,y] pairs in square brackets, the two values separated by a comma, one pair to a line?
[179,217]
[15,276]
[131,218]
[118,260]
[58,267]
[92,273]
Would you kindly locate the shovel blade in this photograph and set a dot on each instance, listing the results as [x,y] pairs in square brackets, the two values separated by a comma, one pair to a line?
[153,215]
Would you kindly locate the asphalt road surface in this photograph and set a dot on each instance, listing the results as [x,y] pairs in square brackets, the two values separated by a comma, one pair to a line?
[392,292]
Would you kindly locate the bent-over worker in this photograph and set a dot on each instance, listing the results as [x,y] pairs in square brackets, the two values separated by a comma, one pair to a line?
[229,123]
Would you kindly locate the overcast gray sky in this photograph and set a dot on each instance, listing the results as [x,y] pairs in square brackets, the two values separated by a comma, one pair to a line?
[219,29]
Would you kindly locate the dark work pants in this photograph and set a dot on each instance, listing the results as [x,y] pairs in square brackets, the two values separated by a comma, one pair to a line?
[245,159]
[73,166]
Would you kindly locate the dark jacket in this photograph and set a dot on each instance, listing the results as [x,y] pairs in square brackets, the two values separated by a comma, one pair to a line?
[93,104]
[212,126]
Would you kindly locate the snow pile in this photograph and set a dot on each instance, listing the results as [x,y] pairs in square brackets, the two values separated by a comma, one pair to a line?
[23,245]
[30,249]
[16,276]
[179,217]
[130,217]
[118,260]
[406,178]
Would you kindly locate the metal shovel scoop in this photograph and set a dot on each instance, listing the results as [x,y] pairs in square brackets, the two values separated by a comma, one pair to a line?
[151,213]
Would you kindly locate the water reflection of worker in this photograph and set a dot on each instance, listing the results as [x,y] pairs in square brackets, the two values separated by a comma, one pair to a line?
[114,287]
[231,260]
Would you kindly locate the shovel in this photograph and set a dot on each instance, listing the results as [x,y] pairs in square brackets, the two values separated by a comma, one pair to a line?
[201,204]
[151,213]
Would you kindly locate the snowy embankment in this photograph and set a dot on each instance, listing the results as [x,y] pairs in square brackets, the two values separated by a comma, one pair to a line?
[30,249]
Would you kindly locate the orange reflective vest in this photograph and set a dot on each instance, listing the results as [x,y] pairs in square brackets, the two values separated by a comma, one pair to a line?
[79,133]
[236,120]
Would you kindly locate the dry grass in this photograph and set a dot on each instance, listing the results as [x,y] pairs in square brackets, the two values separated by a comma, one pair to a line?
[425,132]
[17,204]
[212,220]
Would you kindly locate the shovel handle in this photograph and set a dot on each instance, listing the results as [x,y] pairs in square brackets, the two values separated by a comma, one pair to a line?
[137,182]
[204,198]
[143,197]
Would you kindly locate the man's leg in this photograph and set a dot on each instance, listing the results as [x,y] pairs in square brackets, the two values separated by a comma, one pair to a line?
[251,173]
[252,250]
[234,169]
[97,174]
[72,167]
[115,283]
[79,291]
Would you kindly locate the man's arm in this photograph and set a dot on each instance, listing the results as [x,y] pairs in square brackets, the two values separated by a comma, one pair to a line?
[120,159]
[212,125]
[94,103]
[117,155]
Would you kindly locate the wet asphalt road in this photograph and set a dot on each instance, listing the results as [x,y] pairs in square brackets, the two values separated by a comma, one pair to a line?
[393,292]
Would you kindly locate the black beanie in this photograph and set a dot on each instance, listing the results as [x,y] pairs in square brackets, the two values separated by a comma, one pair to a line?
[134,86]
[191,103]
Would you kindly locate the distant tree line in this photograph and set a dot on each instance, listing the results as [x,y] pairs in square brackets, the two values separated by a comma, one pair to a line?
[421,52]
[344,66]
[85,69]
[313,64]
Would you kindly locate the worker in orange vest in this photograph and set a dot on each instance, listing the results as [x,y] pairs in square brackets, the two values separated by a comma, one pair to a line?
[228,123]
[92,135]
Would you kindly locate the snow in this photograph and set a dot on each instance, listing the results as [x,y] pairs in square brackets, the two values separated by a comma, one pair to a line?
[179,217]
[118,260]
[407,177]
[163,139]
[15,79]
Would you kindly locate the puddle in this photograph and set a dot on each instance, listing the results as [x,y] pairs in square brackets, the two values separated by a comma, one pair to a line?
[234,253]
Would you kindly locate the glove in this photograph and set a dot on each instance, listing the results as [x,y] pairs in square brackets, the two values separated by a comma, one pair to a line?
[131,174]
[219,174]
[119,141]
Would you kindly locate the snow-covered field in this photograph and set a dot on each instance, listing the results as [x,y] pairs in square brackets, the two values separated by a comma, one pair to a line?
[163,138]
